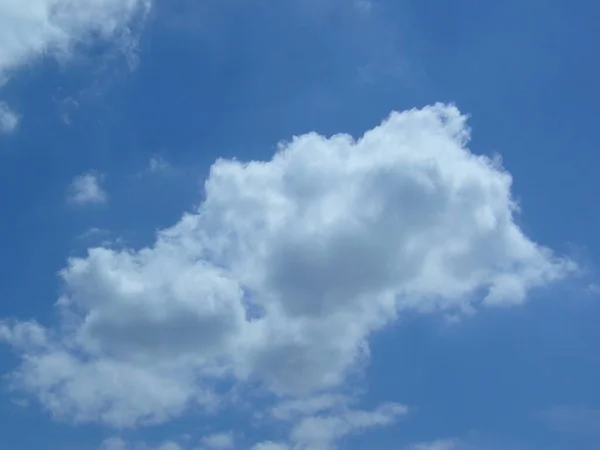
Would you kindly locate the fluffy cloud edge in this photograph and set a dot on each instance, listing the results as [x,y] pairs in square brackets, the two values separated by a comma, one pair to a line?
[283,273]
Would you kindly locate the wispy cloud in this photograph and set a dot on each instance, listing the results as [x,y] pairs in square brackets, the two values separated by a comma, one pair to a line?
[31,29]
[158,164]
[573,419]
[219,441]
[440,444]
[9,120]
[116,443]
[86,189]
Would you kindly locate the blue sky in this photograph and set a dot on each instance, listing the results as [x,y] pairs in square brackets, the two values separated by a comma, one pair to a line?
[405,290]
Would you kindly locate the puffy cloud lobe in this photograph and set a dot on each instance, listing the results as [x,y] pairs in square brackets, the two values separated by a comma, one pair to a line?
[113,392]
[286,268]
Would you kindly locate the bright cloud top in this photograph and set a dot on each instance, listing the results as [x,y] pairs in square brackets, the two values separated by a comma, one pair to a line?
[33,28]
[282,274]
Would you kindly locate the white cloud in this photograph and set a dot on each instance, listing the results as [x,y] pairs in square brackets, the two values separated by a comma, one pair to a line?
[169,446]
[291,409]
[285,270]
[158,164]
[86,189]
[120,444]
[23,335]
[270,445]
[114,444]
[442,444]
[35,28]
[219,441]
[9,120]
[322,432]
[318,423]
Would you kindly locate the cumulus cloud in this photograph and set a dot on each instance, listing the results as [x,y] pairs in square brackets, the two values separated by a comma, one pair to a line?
[35,28]
[8,119]
[284,271]
[87,189]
